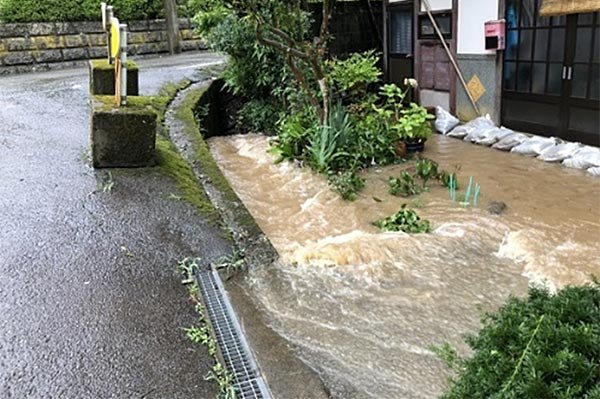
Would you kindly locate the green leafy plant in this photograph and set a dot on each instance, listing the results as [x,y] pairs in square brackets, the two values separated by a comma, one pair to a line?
[405,220]
[327,144]
[543,346]
[259,116]
[347,184]
[404,186]
[426,170]
[414,125]
[351,77]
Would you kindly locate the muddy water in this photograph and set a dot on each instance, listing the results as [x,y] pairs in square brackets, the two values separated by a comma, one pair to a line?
[363,307]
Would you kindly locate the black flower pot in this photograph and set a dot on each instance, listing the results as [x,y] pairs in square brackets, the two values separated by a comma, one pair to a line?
[418,146]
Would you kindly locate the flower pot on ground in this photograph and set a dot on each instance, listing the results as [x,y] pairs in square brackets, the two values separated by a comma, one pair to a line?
[414,127]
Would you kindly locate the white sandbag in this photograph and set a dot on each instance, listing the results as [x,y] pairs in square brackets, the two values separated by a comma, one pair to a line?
[444,121]
[460,131]
[559,152]
[584,158]
[595,171]
[482,121]
[493,136]
[509,141]
[480,133]
[534,146]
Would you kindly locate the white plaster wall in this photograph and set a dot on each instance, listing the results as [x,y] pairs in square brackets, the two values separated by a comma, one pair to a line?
[433,98]
[472,15]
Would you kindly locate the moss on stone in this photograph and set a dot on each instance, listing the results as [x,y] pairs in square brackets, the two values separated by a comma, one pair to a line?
[170,90]
[157,104]
[172,164]
[103,64]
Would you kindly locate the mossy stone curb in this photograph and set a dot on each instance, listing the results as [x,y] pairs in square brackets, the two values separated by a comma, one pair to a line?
[123,137]
[102,78]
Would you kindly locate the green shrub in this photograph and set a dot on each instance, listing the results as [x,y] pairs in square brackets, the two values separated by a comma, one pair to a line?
[543,346]
[259,116]
[76,10]
[405,220]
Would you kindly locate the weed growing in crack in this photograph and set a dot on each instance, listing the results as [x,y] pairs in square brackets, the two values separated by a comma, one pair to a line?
[203,334]
[108,183]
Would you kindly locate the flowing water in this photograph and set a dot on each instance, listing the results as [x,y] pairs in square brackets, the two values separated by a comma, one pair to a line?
[364,307]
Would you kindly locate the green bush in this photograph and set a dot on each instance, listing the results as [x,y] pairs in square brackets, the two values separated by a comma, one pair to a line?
[545,346]
[76,10]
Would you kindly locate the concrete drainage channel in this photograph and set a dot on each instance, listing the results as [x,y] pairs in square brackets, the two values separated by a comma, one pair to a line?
[232,345]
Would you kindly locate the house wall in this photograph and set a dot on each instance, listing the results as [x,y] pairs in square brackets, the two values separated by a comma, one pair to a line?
[474,60]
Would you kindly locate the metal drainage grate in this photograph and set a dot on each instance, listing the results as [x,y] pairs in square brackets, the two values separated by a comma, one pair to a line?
[233,347]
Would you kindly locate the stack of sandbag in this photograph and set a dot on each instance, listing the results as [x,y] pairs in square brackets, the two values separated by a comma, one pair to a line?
[534,146]
[510,141]
[477,124]
[559,152]
[585,157]
[444,120]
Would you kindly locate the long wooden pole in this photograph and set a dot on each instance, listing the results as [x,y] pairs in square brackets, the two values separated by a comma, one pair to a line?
[452,60]
[172,26]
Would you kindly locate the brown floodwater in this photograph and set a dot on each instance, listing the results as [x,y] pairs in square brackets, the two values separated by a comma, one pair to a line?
[364,307]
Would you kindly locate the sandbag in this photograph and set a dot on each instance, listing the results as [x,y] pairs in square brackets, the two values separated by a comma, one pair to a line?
[444,121]
[559,152]
[479,133]
[460,131]
[493,136]
[595,171]
[509,141]
[584,158]
[534,146]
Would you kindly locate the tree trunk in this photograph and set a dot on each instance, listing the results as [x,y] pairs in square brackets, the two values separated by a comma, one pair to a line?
[172,26]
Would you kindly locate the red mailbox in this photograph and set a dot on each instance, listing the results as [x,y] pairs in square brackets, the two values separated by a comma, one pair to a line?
[495,35]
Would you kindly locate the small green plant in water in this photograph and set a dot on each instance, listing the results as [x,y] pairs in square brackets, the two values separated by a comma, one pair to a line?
[347,184]
[405,220]
[404,186]
[108,183]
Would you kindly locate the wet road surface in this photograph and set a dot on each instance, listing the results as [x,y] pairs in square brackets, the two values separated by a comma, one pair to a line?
[91,305]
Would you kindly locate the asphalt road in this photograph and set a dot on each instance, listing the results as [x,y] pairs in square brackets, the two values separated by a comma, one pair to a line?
[91,305]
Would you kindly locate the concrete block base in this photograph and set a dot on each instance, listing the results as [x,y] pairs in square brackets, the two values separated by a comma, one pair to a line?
[123,137]
[102,78]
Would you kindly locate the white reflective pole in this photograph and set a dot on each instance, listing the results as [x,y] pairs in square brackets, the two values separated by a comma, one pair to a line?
[123,64]
[109,16]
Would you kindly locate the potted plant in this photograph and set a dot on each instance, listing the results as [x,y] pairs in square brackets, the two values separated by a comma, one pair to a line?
[409,125]
[414,127]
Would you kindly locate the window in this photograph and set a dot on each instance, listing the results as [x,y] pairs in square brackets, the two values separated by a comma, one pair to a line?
[401,31]
[444,22]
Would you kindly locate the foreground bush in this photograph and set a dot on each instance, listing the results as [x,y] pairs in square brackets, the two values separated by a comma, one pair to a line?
[544,346]
[76,10]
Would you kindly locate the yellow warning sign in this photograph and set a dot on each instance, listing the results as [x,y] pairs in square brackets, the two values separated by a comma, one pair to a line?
[115,37]
[476,88]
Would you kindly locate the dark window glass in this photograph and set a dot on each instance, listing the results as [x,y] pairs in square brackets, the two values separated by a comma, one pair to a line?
[538,82]
[526,44]
[554,78]
[595,82]
[401,32]
[527,13]
[583,45]
[559,20]
[426,29]
[557,45]
[510,77]
[523,76]
[512,43]
[541,45]
[585,19]
[579,80]
[597,44]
